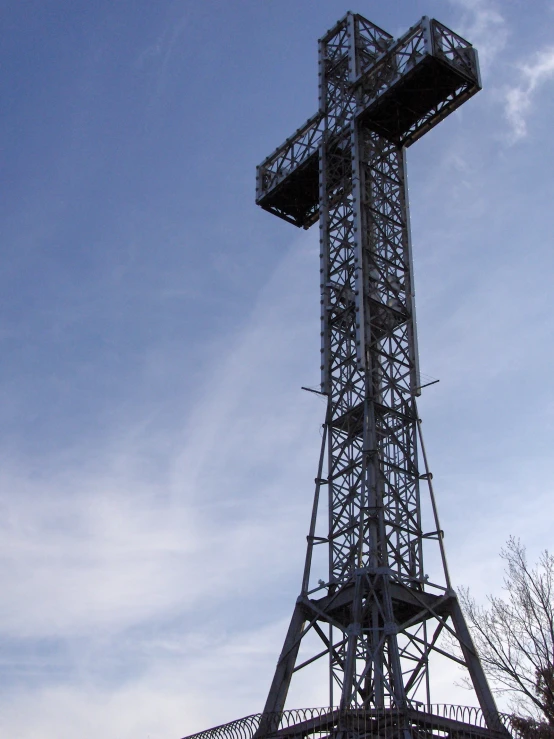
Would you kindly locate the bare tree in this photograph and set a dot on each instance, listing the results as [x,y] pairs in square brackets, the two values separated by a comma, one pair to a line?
[515,638]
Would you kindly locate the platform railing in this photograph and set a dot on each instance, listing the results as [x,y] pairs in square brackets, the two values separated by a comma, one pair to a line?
[454,49]
[290,156]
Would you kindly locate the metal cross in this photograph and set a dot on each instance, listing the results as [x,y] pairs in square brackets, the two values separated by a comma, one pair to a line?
[378,618]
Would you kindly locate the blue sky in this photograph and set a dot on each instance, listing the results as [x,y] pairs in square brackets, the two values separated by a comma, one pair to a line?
[157,453]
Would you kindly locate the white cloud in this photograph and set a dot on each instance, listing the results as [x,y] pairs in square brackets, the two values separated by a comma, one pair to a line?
[484,26]
[104,562]
[208,683]
[98,547]
[97,557]
[519,99]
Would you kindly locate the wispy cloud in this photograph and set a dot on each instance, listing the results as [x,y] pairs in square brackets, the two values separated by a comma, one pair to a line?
[206,683]
[533,74]
[121,572]
[159,53]
[485,26]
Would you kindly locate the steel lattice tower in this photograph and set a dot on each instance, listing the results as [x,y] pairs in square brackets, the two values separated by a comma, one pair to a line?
[378,617]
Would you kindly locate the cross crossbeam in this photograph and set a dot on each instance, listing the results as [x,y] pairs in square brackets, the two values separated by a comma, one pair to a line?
[400,89]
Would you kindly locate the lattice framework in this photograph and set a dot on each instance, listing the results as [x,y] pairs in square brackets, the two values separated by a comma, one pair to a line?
[377,617]
[376,614]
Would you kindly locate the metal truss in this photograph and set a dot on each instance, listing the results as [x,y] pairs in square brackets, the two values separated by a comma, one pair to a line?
[377,617]
[298,155]
[401,89]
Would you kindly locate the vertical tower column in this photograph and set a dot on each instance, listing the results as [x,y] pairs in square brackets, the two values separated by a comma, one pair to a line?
[369,372]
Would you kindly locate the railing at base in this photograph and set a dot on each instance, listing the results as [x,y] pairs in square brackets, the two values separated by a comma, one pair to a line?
[419,721]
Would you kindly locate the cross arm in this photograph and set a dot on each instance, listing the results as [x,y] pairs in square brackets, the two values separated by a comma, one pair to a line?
[287,181]
[400,91]
[421,79]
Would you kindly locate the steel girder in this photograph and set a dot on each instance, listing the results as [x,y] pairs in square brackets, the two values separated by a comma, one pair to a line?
[378,617]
